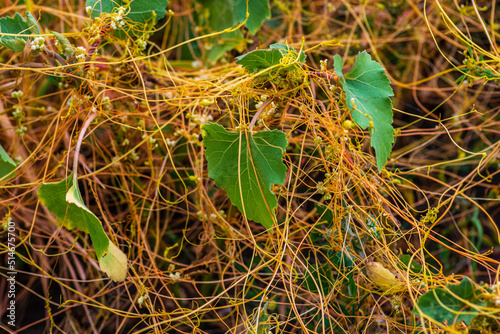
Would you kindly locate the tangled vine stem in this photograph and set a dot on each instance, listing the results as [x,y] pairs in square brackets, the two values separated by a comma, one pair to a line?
[56,56]
[89,120]
[329,76]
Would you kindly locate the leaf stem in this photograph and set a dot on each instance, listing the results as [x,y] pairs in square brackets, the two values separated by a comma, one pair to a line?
[89,120]
[257,114]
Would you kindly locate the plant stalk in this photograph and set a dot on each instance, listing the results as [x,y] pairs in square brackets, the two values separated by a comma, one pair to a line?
[258,113]
[89,120]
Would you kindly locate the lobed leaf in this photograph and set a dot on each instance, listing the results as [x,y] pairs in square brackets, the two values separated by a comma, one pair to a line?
[17,25]
[246,165]
[367,92]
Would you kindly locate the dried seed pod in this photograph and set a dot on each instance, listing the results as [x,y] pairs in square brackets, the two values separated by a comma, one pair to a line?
[381,276]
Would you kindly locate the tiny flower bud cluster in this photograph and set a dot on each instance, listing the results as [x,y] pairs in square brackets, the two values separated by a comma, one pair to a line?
[133,155]
[268,113]
[496,289]
[196,64]
[80,53]
[18,113]
[151,140]
[179,133]
[200,119]
[115,162]
[142,43]
[171,143]
[117,20]
[22,130]
[175,277]
[322,64]
[75,100]
[38,43]
[213,216]
[106,103]
[142,299]
[320,187]
[17,94]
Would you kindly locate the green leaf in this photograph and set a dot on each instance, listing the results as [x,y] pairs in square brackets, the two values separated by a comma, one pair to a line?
[226,42]
[319,278]
[19,26]
[345,265]
[368,92]
[373,226]
[325,214]
[226,14]
[66,46]
[246,165]
[258,60]
[7,165]
[64,200]
[453,304]
[33,24]
[406,262]
[229,13]
[141,11]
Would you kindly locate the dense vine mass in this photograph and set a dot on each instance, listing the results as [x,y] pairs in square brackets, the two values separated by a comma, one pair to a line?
[224,166]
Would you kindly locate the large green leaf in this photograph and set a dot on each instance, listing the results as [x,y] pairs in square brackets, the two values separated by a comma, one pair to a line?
[453,304]
[141,11]
[19,26]
[7,165]
[246,165]
[64,200]
[368,93]
[258,60]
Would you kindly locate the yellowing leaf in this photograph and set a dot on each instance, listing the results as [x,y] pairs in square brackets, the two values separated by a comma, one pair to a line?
[114,263]
[64,200]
